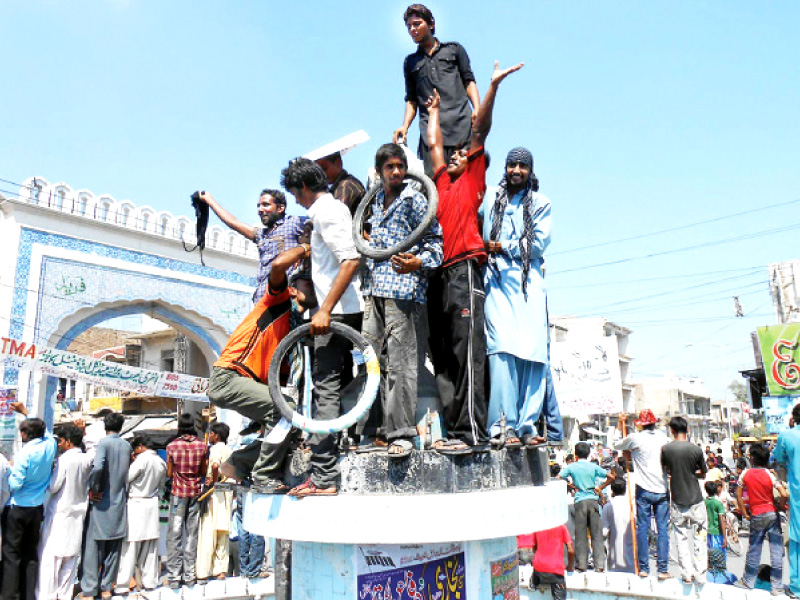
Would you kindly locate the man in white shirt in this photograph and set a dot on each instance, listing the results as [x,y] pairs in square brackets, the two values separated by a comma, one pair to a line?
[146,477]
[334,262]
[62,530]
[651,492]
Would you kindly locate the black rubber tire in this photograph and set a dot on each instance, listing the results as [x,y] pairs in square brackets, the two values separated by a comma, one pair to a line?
[362,406]
[362,245]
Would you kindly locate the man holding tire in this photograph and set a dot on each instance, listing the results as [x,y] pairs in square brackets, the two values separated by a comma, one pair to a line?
[456,296]
[239,378]
[395,292]
[334,262]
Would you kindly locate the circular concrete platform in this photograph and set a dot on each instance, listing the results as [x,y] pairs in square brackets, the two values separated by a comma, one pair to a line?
[408,518]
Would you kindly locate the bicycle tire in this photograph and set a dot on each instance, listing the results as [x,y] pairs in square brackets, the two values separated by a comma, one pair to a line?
[344,421]
[385,253]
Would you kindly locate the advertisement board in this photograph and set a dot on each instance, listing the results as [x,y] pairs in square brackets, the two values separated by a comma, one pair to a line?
[411,572]
[779,351]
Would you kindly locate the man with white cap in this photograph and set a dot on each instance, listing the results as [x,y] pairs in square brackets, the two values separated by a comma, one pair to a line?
[516,232]
[651,490]
[342,185]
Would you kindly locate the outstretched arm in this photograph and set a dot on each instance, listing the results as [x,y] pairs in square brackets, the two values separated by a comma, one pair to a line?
[247,231]
[483,122]
[435,143]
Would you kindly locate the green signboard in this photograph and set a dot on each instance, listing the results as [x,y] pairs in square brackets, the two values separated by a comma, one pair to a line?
[780,350]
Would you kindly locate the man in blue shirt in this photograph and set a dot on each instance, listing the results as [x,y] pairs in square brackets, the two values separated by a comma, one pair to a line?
[395,291]
[516,232]
[582,477]
[27,481]
[787,451]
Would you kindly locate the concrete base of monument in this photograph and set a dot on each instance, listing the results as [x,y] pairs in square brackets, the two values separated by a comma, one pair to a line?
[427,523]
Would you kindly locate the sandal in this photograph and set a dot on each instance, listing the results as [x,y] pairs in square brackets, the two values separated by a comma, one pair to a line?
[452,447]
[400,448]
[532,441]
[376,445]
[270,486]
[309,489]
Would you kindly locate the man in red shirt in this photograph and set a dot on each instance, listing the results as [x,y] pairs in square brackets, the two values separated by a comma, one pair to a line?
[548,560]
[759,484]
[186,466]
[455,293]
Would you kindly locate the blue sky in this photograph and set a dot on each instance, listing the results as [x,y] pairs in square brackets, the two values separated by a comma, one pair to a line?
[642,117]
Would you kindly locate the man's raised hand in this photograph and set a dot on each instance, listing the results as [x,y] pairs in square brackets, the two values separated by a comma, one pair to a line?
[434,100]
[500,74]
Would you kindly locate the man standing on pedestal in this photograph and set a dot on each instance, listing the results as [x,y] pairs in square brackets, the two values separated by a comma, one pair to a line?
[395,292]
[108,521]
[455,293]
[516,230]
[334,262]
[440,66]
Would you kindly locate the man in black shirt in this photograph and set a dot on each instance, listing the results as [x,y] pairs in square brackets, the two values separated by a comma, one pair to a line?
[685,465]
[443,66]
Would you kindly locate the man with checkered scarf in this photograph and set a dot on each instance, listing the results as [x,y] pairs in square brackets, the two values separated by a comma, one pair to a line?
[516,232]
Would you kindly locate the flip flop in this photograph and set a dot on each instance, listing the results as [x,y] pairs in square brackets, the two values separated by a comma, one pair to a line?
[529,441]
[452,447]
[405,447]
[513,442]
[373,446]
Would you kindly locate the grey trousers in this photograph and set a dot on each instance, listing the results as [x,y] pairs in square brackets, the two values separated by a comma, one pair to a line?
[587,521]
[331,357]
[392,328]
[97,555]
[184,522]
[248,397]
[143,554]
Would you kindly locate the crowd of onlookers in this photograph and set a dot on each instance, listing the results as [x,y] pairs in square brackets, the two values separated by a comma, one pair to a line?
[82,507]
[697,500]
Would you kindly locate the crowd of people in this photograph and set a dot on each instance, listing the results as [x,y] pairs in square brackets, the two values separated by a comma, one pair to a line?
[696,500]
[82,504]
[468,294]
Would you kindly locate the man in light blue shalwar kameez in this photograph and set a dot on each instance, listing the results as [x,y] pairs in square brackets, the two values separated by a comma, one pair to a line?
[516,230]
[787,451]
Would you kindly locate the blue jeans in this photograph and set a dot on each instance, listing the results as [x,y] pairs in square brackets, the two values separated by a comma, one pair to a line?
[647,505]
[763,526]
[251,551]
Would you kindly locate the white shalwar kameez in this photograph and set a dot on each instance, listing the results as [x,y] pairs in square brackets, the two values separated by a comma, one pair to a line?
[146,477]
[62,528]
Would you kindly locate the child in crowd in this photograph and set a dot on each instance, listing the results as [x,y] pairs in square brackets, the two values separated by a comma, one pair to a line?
[548,560]
[759,484]
[582,477]
[617,529]
[717,536]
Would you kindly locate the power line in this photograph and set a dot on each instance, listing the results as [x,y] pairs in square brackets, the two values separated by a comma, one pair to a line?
[678,228]
[663,293]
[745,270]
[684,249]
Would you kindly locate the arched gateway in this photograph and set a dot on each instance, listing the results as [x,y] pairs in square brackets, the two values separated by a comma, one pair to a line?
[72,260]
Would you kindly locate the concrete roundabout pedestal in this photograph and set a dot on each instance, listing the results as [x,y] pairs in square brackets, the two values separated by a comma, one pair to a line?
[415,527]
